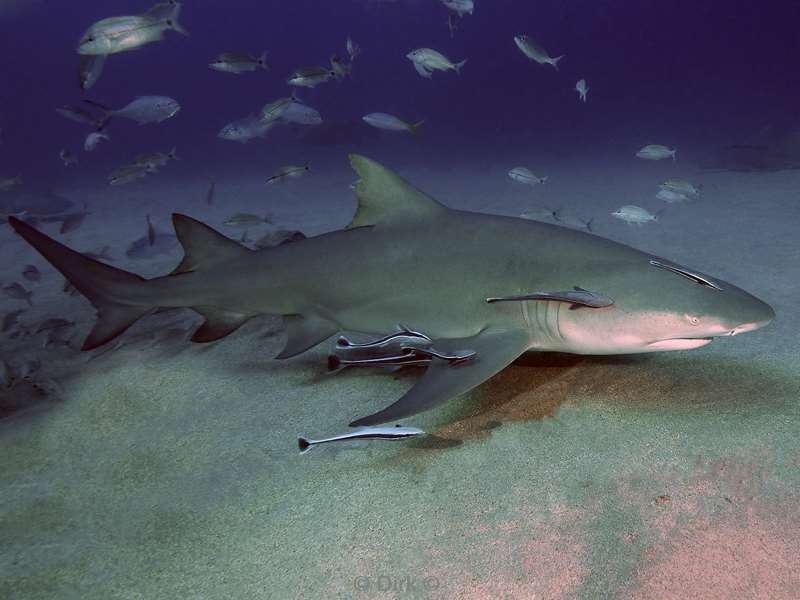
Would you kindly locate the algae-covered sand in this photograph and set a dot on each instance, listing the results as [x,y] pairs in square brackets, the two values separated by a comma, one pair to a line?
[164,469]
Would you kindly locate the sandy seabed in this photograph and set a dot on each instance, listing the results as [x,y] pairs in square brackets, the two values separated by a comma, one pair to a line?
[162,469]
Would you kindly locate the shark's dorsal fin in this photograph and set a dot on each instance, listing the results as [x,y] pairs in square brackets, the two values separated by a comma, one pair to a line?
[384,198]
[203,246]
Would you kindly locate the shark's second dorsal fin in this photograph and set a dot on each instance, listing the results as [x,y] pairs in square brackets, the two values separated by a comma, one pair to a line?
[203,246]
[385,198]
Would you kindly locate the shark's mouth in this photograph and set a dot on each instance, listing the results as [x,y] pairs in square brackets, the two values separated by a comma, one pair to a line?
[679,344]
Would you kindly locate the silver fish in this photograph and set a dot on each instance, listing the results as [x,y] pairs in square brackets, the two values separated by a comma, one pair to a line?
[274,110]
[634,215]
[154,160]
[164,244]
[570,220]
[526,176]
[287,173]
[247,220]
[297,112]
[69,289]
[90,67]
[212,187]
[29,368]
[460,7]
[144,109]
[151,232]
[127,174]
[6,183]
[656,152]
[452,24]
[353,49]
[362,433]
[18,292]
[10,320]
[539,214]
[310,76]
[54,323]
[680,186]
[67,157]
[93,139]
[340,68]
[582,89]
[535,52]
[427,60]
[237,63]
[391,123]
[120,34]
[6,377]
[72,221]
[31,199]
[279,237]
[80,115]
[31,273]
[671,196]
[244,130]
[101,254]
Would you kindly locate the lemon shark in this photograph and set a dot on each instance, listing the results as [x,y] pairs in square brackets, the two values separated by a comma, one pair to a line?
[494,285]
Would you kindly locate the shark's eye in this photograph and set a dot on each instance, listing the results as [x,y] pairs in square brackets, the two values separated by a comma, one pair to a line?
[693,319]
[688,274]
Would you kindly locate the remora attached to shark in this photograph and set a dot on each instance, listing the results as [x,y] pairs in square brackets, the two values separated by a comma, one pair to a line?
[466,280]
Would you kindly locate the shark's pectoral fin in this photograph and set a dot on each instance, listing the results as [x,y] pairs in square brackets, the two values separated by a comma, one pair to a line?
[304,332]
[443,381]
[218,323]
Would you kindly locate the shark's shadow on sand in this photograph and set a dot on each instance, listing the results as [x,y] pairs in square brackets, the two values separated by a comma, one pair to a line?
[536,385]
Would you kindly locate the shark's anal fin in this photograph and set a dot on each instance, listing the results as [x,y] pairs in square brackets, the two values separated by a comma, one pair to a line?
[443,381]
[304,332]
[218,323]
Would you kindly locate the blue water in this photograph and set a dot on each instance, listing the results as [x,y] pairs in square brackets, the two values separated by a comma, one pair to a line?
[676,73]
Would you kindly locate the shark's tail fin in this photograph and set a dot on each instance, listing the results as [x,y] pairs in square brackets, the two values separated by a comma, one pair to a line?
[556,60]
[102,284]
[459,65]
[121,298]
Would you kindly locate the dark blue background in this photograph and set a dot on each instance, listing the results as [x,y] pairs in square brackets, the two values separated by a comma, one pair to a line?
[663,71]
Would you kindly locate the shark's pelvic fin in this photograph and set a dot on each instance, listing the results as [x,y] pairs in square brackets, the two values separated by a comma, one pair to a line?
[203,246]
[304,332]
[384,198]
[443,381]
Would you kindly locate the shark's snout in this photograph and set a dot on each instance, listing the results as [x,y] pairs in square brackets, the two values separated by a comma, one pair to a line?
[758,314]
[745,327]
